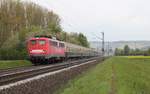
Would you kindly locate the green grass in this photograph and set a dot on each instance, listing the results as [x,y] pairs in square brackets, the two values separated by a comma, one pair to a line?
[117,75]
[138,57]
[14,64]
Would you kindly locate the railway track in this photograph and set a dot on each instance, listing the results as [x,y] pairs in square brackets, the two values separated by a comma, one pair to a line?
[17,75]
[12,70]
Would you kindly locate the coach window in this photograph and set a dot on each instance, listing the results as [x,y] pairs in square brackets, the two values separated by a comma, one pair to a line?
[61,45]
[33,42]
[54,43]
[42,42]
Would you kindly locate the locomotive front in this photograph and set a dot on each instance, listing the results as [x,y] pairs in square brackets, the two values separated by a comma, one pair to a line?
[37,49]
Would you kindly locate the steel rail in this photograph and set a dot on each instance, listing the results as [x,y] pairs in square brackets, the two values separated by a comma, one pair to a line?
[12,70]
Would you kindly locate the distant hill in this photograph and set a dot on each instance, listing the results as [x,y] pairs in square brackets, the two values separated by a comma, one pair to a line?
[144,45]
[145,48]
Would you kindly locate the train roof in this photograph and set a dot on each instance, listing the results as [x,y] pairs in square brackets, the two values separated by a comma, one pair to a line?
[46,39]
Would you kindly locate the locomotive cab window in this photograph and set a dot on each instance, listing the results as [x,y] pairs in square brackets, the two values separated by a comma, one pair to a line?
[61,45]
[42,42]
[33,42]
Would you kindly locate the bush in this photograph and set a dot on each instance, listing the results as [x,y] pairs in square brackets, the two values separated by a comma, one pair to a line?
[12,54]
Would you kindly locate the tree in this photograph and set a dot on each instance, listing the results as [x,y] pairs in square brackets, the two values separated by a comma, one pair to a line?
[126,50]
[116,52]
[148,51]
[83,40]
[119,52]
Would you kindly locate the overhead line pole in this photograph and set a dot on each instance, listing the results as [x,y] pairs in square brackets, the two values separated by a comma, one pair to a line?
[103,44]
[108,49]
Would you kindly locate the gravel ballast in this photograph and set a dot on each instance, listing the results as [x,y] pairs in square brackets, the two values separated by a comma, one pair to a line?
[48,84]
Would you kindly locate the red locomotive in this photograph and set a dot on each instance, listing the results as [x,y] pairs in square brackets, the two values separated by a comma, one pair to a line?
[42,49]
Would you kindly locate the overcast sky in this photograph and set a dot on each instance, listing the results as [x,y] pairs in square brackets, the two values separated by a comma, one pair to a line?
[119,19]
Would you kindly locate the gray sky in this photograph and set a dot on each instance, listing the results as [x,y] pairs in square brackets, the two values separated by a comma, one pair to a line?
[119,19]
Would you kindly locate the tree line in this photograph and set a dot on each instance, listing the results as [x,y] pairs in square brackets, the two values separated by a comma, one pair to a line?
[21,20]
[127,51]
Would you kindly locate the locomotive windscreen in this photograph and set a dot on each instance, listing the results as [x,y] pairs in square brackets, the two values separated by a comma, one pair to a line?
[42,42]
[33,42]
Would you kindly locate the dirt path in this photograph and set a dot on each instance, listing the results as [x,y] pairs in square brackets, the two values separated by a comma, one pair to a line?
[113,89]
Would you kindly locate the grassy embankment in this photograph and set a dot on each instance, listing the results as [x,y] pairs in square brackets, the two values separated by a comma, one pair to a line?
[117,75]
[14,64]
